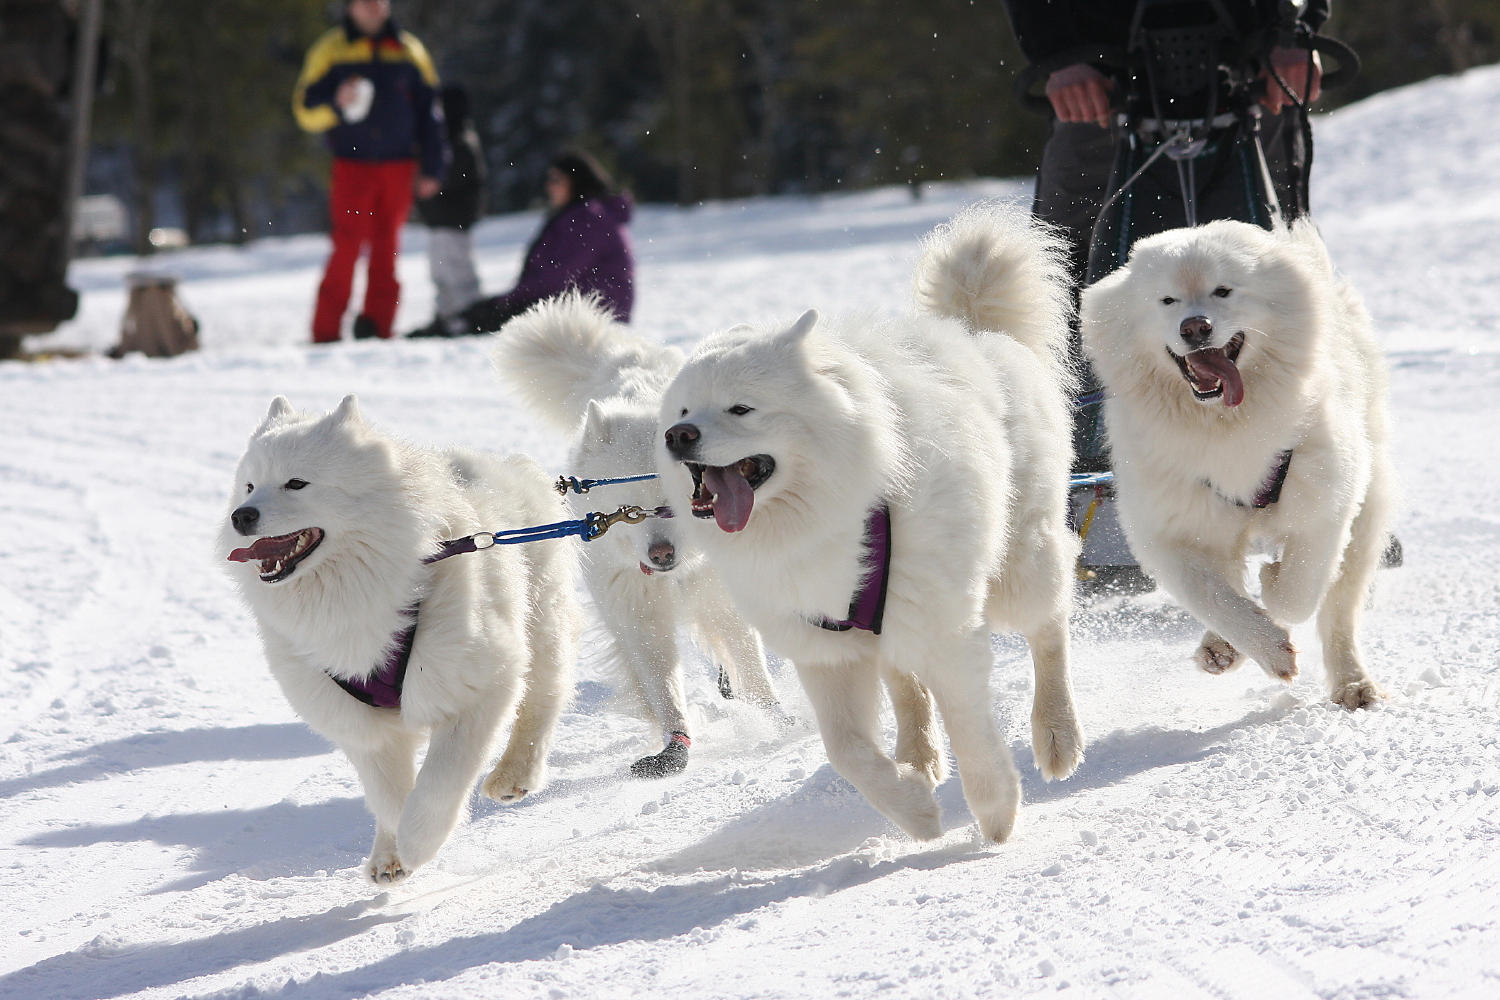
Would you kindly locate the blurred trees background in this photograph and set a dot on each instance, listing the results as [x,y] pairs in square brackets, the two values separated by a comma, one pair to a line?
[197,104]
[684,100]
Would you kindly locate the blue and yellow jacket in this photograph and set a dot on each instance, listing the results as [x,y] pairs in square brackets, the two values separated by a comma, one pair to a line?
[405,120]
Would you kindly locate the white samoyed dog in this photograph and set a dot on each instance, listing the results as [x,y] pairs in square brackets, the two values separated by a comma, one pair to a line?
[1246,409]
[878,494]
[587,376]
[328,527]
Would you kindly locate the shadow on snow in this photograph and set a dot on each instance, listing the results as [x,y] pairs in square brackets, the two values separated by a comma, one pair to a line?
[825,816]
[283,741]
[285,838]
[98,972]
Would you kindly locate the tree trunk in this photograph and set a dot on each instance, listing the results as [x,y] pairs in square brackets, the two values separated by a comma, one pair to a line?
[136,21]
[1455,34]
[35,110]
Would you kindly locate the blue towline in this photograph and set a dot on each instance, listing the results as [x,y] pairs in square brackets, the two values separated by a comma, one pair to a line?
[568,484]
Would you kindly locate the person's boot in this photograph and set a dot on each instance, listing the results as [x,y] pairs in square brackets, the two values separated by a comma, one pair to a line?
[437,328]
[365,328]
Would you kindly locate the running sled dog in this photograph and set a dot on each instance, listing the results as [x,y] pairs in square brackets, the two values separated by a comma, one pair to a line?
[585,375]
[329,525]
[879,493]
[1246,410]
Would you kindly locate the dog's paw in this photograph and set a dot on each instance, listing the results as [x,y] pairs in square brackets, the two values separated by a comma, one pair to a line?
[1216,655]
[384,868]
[999,826]
[934,768]
[511,782]
[910,804]
[672,760]
[1057,747]
[926,821]
[1358,694]
[502,789]
[1282,663]
[923,755]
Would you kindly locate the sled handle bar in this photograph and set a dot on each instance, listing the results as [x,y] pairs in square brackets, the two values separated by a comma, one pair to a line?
[1347,59]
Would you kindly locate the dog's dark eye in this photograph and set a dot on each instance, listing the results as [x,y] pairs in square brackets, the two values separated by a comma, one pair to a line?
[1168,300]
[249,487]
[740,409]
[295,484]
[684,412]
[1221,292]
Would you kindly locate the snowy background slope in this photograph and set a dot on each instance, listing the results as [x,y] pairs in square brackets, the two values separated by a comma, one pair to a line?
[171,830]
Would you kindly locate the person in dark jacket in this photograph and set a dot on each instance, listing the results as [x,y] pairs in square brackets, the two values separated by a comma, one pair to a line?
[371,88]
[584,245]
[1057,35]
[449,214]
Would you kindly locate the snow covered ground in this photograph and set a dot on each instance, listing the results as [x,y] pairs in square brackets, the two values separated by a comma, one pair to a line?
[170,830]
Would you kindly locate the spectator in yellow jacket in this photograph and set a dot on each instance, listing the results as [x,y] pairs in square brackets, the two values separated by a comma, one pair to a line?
[371,89]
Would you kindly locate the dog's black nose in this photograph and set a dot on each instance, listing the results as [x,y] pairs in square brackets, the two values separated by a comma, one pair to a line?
[681,438]
[1196,331]
[662,554]
[245,520]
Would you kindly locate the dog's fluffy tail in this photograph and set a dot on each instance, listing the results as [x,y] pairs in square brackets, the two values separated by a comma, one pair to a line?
[995,269]
[562,353]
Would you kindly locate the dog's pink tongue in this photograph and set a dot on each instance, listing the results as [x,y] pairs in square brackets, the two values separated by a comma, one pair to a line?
[265,548]
[733,497]
[1214,365]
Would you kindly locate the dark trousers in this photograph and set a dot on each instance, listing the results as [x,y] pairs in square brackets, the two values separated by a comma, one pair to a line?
[1078,157]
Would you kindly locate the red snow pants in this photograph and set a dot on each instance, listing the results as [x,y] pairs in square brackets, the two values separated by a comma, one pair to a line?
[368,202]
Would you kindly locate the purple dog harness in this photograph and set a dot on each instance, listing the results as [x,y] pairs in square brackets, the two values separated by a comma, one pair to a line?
[382,689]
[1270,490]
[867,609]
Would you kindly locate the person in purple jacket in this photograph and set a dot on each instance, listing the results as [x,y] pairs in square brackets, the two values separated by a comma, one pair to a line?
[584,245]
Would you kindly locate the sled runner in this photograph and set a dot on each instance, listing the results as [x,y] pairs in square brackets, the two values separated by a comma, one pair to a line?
[1192,144]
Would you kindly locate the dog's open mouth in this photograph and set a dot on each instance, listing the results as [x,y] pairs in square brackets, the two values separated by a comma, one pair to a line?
[280,555]
[1212,372]
[726,493]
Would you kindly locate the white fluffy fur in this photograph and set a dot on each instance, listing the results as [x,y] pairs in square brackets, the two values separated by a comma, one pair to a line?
[497,628]
[1315,382]
[965,433]
[589,377]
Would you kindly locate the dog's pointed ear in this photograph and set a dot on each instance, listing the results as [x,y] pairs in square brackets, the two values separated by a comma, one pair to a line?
[280,407]
[348,411]
[799,330]
[594,424]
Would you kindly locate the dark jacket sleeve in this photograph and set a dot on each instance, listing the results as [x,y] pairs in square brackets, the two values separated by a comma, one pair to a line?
[461,201]
[1043,28]
[321,91]
[1046,29]
[432,136]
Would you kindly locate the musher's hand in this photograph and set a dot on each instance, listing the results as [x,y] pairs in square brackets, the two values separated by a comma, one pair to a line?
[1080,93]
[347,93]
[426,187]
[1292,65]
